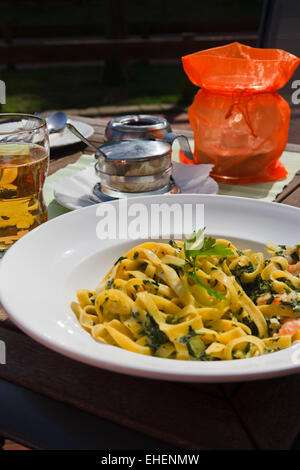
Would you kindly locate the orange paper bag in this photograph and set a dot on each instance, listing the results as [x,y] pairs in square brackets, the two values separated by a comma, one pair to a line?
[240,122]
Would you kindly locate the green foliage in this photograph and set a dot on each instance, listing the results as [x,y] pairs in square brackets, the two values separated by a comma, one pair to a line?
[79,87]
[196,247]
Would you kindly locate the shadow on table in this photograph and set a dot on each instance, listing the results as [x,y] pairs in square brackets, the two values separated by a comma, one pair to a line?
[67,150]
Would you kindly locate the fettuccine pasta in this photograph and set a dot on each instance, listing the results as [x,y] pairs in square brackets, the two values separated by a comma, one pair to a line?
[170,301]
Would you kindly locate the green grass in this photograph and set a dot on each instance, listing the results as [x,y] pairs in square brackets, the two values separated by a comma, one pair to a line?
[79,87]
[39,89]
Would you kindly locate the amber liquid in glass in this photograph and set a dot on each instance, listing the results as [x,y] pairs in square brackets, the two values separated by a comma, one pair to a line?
[23,168]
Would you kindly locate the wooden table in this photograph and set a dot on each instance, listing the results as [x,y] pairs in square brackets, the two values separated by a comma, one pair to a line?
[50,401]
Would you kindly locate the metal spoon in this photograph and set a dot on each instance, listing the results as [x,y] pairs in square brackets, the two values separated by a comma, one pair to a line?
[56,122]
[76,132]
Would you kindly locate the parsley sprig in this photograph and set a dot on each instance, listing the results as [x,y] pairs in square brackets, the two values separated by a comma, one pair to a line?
[195,247]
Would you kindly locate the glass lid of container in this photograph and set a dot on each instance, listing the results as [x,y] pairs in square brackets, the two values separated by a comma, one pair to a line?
[135,149]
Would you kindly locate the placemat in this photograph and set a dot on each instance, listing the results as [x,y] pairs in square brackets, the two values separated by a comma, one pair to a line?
[264,191]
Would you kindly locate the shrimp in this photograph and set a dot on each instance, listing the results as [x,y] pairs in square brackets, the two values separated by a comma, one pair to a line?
[263,300]
[290,327]
[294,268]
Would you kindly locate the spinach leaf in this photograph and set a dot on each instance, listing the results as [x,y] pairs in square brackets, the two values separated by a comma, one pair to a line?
[155,335]
[194,343]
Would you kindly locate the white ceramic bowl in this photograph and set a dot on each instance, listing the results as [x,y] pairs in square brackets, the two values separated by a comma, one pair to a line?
[40,273]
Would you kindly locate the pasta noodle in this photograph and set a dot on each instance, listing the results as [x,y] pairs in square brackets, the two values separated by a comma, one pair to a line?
[186,301]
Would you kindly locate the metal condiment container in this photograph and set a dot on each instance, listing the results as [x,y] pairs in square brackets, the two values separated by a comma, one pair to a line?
[137,158]
[135,165]
[137,126]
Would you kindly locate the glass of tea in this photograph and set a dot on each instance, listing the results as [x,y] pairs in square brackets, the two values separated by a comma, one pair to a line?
[24,159]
